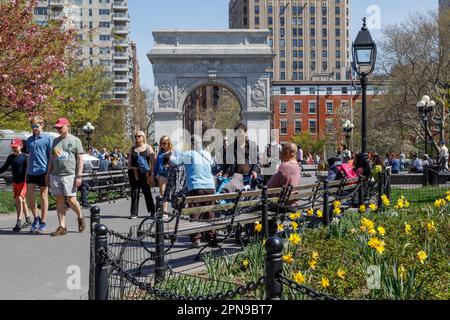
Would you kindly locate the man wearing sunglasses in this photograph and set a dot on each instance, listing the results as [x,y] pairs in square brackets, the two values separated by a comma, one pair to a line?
[39,147]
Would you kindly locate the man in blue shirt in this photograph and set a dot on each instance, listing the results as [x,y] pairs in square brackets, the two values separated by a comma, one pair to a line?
[199,179]
[39,147]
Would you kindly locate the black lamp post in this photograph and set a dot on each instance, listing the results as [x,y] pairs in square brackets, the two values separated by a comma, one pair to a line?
[425,107]
[348,129]
[364,59]
[88,129]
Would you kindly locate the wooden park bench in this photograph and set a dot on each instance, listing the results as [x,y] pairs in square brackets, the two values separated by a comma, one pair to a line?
[108,185]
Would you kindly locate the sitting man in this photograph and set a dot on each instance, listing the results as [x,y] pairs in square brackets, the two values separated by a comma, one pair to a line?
[333,171]
[288,173]
[417,165]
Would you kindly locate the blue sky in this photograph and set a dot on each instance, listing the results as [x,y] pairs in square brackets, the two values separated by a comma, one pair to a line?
[149,15]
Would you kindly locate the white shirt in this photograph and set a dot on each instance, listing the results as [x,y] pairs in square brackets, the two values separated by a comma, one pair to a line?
[444,152]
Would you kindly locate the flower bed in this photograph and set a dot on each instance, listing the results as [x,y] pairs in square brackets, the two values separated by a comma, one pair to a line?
[399,253]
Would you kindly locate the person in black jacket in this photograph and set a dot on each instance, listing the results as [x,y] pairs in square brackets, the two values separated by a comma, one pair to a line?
[18,163]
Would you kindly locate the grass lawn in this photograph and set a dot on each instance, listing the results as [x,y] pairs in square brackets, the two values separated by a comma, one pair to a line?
[418,195]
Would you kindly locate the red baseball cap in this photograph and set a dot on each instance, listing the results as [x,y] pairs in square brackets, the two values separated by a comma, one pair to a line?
[15,143]
[62,122]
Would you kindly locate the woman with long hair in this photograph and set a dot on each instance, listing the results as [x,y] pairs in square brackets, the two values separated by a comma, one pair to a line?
[161,169]
[140,163]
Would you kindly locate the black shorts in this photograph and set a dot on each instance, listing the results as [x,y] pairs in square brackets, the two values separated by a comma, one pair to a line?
[37,180]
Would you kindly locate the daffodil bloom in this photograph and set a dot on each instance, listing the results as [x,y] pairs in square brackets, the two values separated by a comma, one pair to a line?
[372,232]
[299,278]
[341,273]
[313,264]
[362,208]
[422,256]
[288,258]
[294,225]
[315,255]
[258,227]
[264,242]
[373,207]
[447,193]
[431,226]
[440,203]
[386,201]
[381,231]
[402,271]
[280,228]
[245,263]
[447,198]
[295,239]
[407,228]
[337,204]
[325,283]
[374,242]
[310,212]
[381,247]
[337,211]
[319,213]
[293,216]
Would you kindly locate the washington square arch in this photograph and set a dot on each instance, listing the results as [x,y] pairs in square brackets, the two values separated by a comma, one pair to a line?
[236,60]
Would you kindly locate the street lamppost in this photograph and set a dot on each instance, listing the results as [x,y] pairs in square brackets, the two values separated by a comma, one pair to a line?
[348,129]
[364,59]
[88,129]
[425,107]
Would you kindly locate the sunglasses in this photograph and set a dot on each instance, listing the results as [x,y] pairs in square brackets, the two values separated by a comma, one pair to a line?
[138,137]
[35,126]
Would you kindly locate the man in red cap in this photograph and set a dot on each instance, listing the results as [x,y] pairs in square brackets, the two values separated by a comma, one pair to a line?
[18,163]
[65,172]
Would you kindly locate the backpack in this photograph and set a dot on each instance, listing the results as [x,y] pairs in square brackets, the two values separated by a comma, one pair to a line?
[142,163]
[346,171]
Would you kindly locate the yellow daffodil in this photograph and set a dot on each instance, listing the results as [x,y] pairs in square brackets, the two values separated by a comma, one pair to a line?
[440,203]
[386,201]
[258,227]
[310,212]
[299,278]
[341,273]
[315,255]
[294,225]
[402,203]
[264,242]
[245,263]
[381,247]
[295,239]
[372,232]
[422,256]
[295,216]
[313,264]
[337,204]
[431,226]
[288,258]
[447,193]
[362,208]
[367,225]
[407,228]
[377,244]
[325,283]
[319,213]
[447,198]
[280,228]
[337,211]
[381,231]
[402,271]
[373,207]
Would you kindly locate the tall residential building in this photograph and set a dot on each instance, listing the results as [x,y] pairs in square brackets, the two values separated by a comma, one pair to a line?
[311,38]
[103,28]
[444,5]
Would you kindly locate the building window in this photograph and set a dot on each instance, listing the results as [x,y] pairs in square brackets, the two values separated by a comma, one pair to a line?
[297,90]
[283,127]
[298,127]
[312,107]
[282,54]
[270,9]
[312,90]
[283,107]
[297,107]
[257,9]
[344,90]
[329,90]
[294,76]
[329,107]
[312,126]
[256,20]
[283,90]
[282,75]
[270,20]
[282,64]
[282,43]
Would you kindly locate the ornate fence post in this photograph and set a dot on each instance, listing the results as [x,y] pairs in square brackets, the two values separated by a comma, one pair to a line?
[425,176]
[95,220]
[265,213]
[326,206]
[360,191]
[380,189]
[274,267]
[388,185]
[160,264]
[101,270]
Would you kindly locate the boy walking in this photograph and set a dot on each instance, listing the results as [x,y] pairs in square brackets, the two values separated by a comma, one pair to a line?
[65,172]
[18,163]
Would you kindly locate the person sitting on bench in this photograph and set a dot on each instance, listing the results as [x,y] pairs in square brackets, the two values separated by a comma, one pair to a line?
[288,173]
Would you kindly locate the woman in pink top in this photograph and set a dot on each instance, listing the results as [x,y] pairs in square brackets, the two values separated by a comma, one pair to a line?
[288,173]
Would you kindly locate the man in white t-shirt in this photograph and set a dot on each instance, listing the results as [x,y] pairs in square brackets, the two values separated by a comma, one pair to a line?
[443,153]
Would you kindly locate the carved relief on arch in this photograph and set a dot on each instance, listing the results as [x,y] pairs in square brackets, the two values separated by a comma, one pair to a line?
[166,98]
[259,95]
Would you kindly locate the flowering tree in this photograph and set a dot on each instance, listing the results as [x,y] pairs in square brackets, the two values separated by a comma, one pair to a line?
[30,55]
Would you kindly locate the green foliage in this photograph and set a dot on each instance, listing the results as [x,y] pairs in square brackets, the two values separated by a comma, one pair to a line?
[309,143]
[78,95]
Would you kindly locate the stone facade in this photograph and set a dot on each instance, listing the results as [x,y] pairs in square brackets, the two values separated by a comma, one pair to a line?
[186,60]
